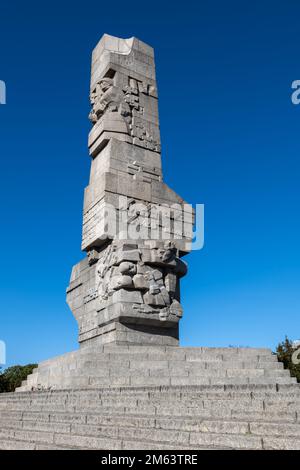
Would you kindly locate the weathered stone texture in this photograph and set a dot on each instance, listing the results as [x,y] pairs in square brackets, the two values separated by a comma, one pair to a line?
[157,397]
[128,387]
[154,397]
[135,228]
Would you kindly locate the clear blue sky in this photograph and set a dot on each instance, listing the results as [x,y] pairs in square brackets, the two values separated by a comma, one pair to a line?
[230,140]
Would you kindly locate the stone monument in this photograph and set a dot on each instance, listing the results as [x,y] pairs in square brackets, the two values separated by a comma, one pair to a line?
[129,386]
[135,228]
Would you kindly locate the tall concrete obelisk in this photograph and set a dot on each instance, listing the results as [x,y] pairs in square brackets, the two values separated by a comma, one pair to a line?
[135,228]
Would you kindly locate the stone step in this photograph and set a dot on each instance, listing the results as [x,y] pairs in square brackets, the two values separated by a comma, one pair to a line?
[186,417]
[31,440]
[281,443]
[174,356]
[176,366]
[118,426]
[214,410]
[120,377]
[183,368]
[268,443]
[187,405]
[167,365]
[245,411]
[112,438]
[13,444]
[281,392]
[156,379]
[140,349]
[155,403]
[188,365]
[152,353]
[157,370]
[100,364]
[170,371]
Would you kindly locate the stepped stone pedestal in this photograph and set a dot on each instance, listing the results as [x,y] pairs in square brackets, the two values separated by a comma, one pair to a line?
[129,385]
[156,398]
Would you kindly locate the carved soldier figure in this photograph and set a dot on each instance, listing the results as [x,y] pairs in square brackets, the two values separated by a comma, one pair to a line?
[108,98]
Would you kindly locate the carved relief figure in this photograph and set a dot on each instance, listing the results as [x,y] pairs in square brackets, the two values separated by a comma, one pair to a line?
[153,271]
[108,98]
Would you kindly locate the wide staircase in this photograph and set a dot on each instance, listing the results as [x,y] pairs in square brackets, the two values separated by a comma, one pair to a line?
[156,398]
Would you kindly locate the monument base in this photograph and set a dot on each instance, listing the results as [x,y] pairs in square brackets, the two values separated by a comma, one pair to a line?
[253,417]
[156,398]
[132,365]
[117,333]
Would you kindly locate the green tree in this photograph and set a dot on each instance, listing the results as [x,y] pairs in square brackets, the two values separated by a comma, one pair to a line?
[12,377]
[3,384]
[284,353]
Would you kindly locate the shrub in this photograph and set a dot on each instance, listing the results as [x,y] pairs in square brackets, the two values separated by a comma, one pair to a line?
[284,353]
[12,377]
